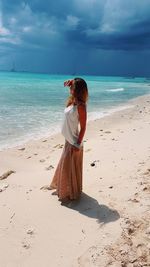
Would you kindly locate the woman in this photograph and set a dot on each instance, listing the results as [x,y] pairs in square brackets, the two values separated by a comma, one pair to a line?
[67,179]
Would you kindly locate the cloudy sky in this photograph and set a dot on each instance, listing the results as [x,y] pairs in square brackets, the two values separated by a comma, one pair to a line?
[100,37]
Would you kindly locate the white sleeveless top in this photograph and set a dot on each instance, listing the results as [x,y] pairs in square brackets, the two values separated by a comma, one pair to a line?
[70,124]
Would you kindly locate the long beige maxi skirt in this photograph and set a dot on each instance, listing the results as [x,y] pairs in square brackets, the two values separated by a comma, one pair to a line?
[67,179]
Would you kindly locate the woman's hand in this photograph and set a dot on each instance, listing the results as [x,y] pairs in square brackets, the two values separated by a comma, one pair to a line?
[76,149]
[68,83]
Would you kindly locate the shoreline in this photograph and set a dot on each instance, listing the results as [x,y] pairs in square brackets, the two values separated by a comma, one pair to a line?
[109,112]
[109,226]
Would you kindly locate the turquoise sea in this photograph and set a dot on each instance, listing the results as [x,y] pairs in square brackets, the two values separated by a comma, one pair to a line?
[31,105]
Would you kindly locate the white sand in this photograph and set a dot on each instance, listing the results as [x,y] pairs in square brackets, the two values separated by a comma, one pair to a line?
[110,224]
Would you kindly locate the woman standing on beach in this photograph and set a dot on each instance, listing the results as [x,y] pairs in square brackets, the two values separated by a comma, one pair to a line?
[67,179]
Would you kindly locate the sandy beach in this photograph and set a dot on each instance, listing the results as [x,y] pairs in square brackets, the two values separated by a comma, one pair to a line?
[109,226]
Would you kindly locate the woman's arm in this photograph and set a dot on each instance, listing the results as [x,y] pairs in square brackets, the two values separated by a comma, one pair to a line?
[82,120]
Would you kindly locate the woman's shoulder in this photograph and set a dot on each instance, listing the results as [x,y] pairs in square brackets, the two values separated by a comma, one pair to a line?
[81,107]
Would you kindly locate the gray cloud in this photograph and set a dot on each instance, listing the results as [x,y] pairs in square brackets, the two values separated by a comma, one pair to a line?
[107,24]
[57,27]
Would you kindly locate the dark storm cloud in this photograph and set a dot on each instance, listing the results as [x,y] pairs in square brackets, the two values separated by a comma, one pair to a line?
[112,24]
[63,29]
[135,38]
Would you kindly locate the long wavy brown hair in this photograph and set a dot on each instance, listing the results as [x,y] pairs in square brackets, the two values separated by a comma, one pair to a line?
[80,92]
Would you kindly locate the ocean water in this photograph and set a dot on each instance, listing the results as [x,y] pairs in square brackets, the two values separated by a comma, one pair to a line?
[32,105]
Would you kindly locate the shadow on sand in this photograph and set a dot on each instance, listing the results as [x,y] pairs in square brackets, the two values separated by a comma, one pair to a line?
[90,207]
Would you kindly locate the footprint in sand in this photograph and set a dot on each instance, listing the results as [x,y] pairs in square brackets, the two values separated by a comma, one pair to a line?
[93,163]
[6,174]
[22,149]
[30,190]
[12,217]
[113,139]
[49,167]
[3,187]
[42,160]
[30,231]
[108,132]
[88,150]
[147,172]
[141,163]
[25,245]
[134,200]
[58,146]
[146,188]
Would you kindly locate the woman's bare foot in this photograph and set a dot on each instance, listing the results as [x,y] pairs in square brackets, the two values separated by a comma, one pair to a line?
[65,200]
[54,193]
[47,187]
